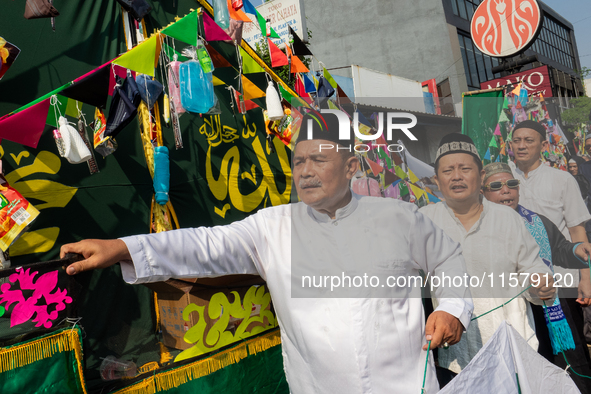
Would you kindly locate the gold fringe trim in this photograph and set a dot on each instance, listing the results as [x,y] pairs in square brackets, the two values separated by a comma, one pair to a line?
[157,309]
[264,343]
[177,377]
[40,349]
[165,355]
[151,366]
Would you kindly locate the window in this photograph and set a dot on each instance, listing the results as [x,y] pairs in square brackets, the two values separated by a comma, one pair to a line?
[465,8]
[477,66]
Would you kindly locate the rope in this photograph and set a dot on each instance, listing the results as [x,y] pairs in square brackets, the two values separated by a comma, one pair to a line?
[503,304]
[426,365]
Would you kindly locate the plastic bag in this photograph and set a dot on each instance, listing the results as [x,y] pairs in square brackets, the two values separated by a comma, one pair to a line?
[16,213]
[75,150]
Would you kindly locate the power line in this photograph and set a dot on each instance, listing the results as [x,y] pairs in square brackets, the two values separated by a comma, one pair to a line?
[581,20]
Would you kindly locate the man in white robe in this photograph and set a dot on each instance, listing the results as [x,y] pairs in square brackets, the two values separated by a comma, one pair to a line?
[356,343]
[495,244]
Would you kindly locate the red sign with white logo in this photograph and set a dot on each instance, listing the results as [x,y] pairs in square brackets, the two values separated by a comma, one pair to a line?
[502,28]
[536,80]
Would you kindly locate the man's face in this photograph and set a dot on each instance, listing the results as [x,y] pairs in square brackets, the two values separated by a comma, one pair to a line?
[588,145]
[573,168]
[458,177]
[505,196]
[322,175]
[527,145]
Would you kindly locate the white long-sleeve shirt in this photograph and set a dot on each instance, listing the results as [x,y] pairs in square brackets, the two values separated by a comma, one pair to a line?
[498,244]
[330,345]
[555,194]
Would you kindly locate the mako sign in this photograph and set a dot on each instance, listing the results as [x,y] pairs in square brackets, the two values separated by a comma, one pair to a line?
[386,124]
[536,80]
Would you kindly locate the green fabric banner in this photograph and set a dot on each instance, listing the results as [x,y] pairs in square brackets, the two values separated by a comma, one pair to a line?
[480,117]
[50,364]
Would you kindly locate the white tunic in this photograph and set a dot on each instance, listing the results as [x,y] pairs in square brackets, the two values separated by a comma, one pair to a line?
[555,194]
[498,243]
[330,345]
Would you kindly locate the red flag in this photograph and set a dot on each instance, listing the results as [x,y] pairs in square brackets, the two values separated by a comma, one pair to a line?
[278,58]
[299,87]
[25,127]
[375,167]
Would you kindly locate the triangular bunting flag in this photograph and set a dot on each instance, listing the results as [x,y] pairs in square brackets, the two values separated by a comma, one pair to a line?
[497,130]
[487,155]
[375,167]
[299,48]
[185,29]
[26,126]
[285,94]
[249,8]
[330,79]
[309,85]
[251,91]
[218,60]
[278,58]
[217,81]
[396,158]
[299,87]
[143,58]
[92,88]
[237,15]
[263,24]
[400,172]
[417,191]
[72,107]
[296,64]
[517,90]
[389,178]
[212,31]
[59,110]
[493,142]
[412,177]
[249,65]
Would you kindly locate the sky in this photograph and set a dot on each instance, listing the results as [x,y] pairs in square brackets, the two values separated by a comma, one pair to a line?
[577,12]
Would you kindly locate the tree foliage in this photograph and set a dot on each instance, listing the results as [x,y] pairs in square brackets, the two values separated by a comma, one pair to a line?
[580,113]
[262,49]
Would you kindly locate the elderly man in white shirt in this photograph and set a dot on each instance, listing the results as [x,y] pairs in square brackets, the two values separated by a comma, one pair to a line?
[496,245]
[550,192]
[361,342]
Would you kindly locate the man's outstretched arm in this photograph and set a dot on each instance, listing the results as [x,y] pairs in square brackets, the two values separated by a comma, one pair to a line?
[186,253]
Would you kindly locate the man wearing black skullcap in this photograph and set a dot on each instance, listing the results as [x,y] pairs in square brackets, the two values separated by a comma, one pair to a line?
[552,193]
[494,242]
[357,341]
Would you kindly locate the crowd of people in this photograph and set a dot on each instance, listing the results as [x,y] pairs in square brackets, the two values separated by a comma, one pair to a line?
[523,218]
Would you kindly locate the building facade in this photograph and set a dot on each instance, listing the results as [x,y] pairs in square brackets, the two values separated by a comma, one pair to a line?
[425,39]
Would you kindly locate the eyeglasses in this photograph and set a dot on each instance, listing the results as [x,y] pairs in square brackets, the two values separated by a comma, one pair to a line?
[495,186]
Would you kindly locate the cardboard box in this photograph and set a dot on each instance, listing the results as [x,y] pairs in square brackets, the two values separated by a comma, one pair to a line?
[174,296]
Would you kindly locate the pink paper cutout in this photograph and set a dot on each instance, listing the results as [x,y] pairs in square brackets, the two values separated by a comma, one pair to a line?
[26,308]
[25,127]
[212,31]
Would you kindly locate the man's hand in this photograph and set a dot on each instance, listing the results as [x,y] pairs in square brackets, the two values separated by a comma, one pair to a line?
[583,251]
[543,286]
[584,288]
[97,254]
[442,327]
